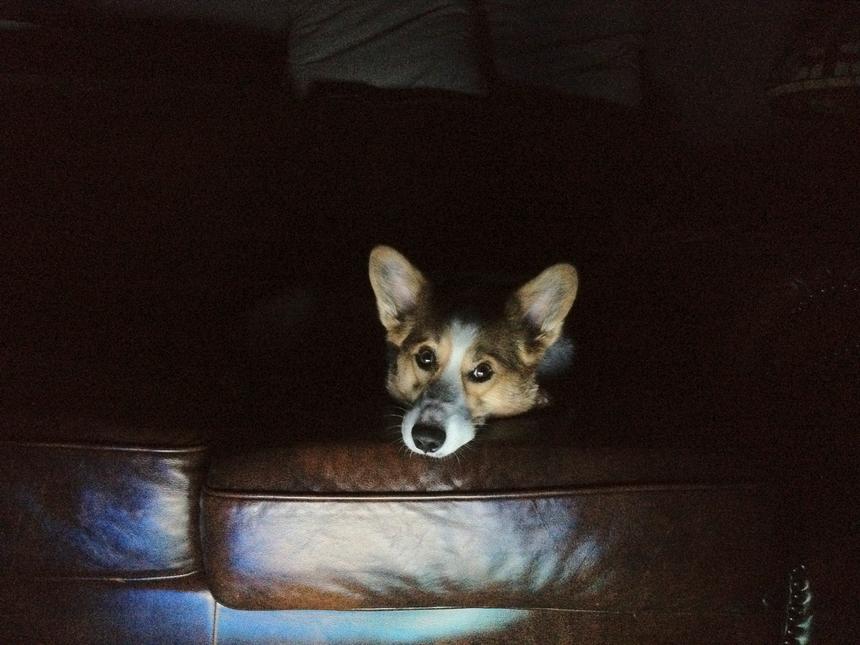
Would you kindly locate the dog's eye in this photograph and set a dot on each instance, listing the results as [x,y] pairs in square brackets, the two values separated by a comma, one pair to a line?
[483,372]
[426,359]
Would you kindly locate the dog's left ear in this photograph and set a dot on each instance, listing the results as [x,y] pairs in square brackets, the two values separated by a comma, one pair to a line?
[399,288]
[540,306]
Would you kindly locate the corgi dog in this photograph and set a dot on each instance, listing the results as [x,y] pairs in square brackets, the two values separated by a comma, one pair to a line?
[462,353]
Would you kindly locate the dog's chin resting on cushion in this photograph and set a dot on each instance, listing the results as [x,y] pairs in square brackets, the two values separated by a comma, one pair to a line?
[462,352]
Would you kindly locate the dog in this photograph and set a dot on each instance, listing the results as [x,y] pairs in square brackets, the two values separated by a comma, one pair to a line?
[465,352]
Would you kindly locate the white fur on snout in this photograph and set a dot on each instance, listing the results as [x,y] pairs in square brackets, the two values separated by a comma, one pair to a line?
[458,432]
[459,429]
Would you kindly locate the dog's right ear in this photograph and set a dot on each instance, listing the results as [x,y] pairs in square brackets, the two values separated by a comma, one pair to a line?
[399,288]
[540,306]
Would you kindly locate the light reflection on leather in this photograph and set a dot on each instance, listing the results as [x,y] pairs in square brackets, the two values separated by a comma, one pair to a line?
[396,627]
[97,511]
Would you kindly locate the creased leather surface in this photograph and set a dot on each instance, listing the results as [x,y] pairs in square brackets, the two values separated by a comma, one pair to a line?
[534,451]
[74,612]
[625,549]
[350,467]
[493,627]
[98,510]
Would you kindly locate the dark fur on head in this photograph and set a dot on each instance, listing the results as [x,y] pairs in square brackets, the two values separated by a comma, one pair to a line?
[482,345]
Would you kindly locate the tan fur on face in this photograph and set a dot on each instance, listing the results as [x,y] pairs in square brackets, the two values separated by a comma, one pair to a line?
[510,391]
[507,393]
[406,381]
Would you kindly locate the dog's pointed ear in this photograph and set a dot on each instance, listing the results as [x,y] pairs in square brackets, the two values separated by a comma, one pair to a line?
[399,288]
[540,306]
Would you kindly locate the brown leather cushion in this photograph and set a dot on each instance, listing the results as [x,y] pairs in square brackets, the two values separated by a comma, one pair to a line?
[521,519]
[331,453]
[78,503]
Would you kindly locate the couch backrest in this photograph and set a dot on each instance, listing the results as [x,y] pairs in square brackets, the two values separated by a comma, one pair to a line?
[585,48]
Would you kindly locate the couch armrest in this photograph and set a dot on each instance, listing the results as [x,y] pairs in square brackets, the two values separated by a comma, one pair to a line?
[536,514]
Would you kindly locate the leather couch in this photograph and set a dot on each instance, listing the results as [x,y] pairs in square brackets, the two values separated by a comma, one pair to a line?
[194,442]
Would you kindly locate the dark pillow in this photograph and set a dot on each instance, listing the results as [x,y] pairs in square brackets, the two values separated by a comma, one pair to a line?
[420,44]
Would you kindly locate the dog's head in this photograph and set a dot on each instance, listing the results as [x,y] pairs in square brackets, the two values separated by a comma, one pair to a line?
[455,365]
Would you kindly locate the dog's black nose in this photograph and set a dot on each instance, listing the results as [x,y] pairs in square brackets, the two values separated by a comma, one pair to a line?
[428,438]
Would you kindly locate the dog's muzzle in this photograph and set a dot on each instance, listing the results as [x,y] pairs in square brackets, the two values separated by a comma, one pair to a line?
[436,429]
